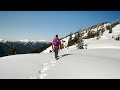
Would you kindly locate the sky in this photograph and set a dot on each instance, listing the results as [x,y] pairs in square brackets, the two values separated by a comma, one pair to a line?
[44,25]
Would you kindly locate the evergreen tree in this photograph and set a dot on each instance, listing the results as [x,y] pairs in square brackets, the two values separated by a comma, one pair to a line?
[11,50]
[1,51]
[91,34]
[76,37]
[97,33]
[70,41]
[80,42]
[110,29]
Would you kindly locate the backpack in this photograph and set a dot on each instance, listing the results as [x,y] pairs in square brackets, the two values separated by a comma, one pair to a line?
[56,43]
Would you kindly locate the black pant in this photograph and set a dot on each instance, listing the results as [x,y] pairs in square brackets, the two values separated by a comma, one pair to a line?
[56,52]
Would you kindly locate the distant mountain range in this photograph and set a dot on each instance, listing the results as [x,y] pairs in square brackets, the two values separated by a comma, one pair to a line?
[22,47]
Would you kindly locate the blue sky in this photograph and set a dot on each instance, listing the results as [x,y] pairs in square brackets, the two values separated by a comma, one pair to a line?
[44,25]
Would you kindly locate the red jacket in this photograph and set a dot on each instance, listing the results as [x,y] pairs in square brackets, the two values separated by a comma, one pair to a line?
[56,38]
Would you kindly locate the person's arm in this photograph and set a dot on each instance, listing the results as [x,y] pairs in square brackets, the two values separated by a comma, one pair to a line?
[60,44]
[52,43]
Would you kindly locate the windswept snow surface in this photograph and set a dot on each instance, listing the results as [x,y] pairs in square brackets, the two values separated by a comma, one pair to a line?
[102,44]
[22,66]
[87,64]
[72,64]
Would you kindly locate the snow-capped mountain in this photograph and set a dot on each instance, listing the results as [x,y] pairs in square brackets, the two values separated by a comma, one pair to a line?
[1,40]
[26,40]
[4,41]
[100,58]
[22,47]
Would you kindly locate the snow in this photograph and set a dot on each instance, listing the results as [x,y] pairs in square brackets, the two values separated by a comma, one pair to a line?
[93,43]
[115,31]
[33,41]
[107,24]
[25,40]
[87,64]
[94,29]
[1,40]
[43,41]
[72,64]
[22,66]
[101,60]
[65,43]
[47,50]
[106,41]
[85,34]
[73,35]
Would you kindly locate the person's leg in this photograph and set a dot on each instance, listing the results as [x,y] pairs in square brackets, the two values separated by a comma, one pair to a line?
[56,52]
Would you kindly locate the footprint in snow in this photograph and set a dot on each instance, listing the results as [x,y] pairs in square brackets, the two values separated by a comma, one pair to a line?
[44,69]
[42,76]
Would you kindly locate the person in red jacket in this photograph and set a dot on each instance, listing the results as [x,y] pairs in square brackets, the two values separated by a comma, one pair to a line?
[56,45]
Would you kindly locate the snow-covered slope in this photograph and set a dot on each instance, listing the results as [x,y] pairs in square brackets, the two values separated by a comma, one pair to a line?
[102,44]
[72,64]
[86,64]
[106,41]
[101,60]
[22,66]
